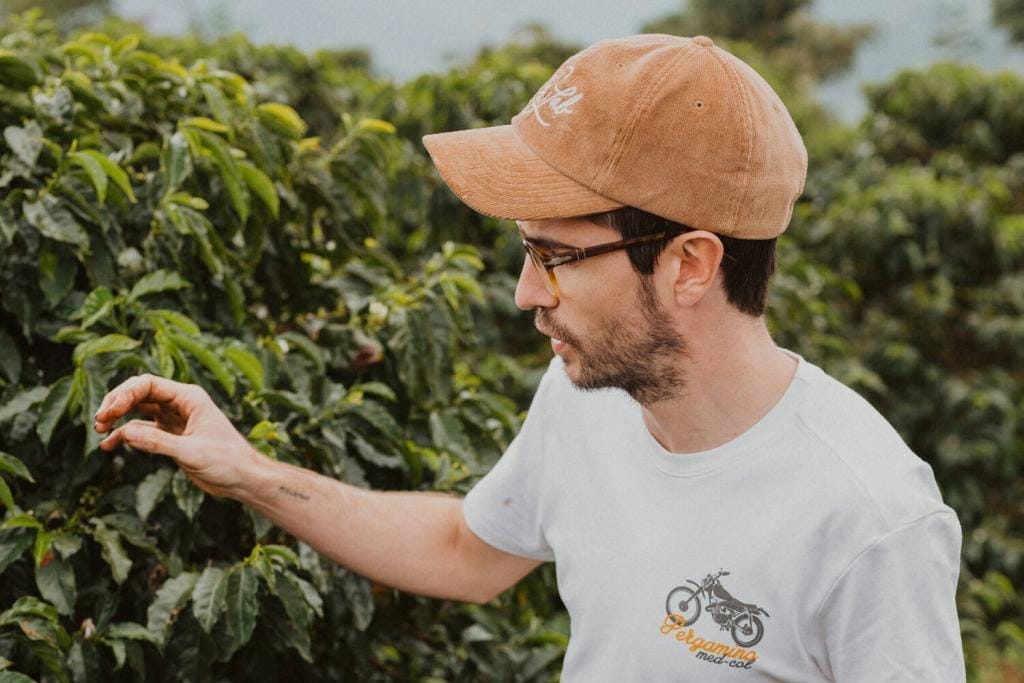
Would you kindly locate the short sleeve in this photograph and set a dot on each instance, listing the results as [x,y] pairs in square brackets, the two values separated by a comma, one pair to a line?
[891,616]
[505,507]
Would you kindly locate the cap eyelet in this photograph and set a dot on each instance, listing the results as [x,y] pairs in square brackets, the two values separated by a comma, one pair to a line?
[698,104]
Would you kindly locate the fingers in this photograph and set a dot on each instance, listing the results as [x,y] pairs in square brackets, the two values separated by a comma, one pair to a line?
[147,389]
[144,436]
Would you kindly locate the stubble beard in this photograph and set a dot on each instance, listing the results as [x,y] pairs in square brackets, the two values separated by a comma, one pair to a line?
[642,359]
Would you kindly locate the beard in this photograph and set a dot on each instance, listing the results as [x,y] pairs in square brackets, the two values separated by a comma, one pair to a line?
[641,358]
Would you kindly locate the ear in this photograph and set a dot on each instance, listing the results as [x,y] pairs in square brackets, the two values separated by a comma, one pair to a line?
[691,264]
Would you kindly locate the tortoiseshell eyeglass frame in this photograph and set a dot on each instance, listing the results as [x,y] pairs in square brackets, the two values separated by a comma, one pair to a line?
[545,263]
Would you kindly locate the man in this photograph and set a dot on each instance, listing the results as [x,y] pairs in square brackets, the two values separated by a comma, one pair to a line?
[718,508]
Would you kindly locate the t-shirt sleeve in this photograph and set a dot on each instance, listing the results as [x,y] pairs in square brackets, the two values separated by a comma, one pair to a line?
[505,507]
[891,616]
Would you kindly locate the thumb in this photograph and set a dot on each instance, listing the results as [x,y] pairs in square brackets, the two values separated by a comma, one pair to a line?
[145,436]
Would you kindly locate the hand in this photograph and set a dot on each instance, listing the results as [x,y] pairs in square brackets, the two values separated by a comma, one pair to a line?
[188,427]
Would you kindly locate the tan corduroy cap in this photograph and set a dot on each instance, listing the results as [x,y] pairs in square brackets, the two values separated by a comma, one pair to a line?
[675,126]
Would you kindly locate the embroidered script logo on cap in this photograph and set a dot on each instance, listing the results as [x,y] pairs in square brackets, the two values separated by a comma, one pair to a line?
[554,96]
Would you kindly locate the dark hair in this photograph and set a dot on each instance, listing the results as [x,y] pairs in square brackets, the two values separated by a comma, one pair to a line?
[747,267]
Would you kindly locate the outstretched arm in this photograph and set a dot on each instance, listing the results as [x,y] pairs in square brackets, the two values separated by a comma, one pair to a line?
[414,541]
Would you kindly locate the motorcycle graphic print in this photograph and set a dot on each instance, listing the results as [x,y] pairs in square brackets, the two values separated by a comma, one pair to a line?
[741,619]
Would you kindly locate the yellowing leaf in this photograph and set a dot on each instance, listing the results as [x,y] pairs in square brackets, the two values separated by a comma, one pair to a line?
[283,119]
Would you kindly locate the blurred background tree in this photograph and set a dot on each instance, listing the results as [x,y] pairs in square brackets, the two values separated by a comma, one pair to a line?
[1010,15]
[809,51]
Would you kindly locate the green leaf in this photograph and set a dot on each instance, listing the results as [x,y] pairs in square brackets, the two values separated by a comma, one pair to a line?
[151,491]
[186,494]
[16,72]
[113,172]
[376,126]
[96,306]
[261,185]
[56,582]
[5,495]
[67,544]
[14,677]
[173,318]
[12,546]
[360,599]
[129,630]
[242,606]
[53,220]
[207,358]
[308,348]
[372,454]
[209,597]
[286,554]
[12,465]
[92,393]
[26,143]
[157,281]
[44,541]
[54,407]
[266,569]
[110,343]
[282,119]
[216,101]
[299,614]
[94,170]
[22,402]
[229,173]
[23,521]
[10,359]
[113,550]
[57,270]
[164,609]
[248,364]
[29,606]
[177,163]
[203,123]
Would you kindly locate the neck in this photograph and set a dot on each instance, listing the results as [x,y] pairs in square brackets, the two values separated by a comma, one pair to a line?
[735,374]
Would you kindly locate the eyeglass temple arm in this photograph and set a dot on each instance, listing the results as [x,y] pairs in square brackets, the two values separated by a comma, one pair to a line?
[580,253]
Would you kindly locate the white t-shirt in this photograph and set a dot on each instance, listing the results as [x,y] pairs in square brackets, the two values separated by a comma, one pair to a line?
[841,558]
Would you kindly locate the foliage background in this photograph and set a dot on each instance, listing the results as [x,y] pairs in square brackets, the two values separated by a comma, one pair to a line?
[266,223]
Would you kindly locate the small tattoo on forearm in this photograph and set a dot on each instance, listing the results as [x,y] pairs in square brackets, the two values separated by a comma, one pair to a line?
[293,493]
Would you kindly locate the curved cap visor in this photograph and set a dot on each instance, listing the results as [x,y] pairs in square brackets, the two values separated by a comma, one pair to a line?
[494,172]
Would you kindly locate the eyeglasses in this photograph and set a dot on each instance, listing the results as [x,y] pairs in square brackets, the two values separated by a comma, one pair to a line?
[546,262]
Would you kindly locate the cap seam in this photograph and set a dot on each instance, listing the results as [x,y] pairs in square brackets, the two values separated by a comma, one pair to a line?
[628,129]
[748,126]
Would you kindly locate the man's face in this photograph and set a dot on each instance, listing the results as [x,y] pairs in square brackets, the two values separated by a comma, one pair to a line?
[607,324]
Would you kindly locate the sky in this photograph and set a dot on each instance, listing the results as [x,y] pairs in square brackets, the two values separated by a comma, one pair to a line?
[409,37]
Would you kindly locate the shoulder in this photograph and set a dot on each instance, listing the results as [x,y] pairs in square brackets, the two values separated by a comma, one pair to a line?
[861,449]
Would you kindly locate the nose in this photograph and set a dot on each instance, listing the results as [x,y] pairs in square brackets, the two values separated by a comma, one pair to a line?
[530,290]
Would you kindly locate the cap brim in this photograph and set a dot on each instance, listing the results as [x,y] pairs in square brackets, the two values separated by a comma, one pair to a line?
[497,174]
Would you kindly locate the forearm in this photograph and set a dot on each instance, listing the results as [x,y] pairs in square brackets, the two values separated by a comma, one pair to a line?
[403,539]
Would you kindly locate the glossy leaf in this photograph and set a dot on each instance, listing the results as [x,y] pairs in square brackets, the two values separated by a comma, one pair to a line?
[113,551]
[242,606]
[186,494]
[158,281]
[55,580]
[12,465]
[152,490]
[110,343]
[209,597]
[94,169]
[53,220]
[54,407]
[169,599]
